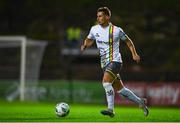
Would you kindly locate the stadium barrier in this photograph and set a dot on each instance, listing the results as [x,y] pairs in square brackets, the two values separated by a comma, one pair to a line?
[158,94]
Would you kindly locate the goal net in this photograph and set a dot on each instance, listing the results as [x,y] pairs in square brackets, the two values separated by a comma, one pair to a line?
[20,61]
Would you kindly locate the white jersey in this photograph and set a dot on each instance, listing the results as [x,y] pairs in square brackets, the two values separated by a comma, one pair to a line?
[107,41]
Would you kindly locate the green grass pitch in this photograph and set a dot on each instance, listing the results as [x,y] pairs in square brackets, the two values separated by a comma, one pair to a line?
[45,112]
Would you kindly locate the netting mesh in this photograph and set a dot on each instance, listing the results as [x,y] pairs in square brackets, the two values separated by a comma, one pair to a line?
[10,68]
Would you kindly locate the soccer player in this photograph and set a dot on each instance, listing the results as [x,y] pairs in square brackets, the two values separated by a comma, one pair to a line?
[107,37]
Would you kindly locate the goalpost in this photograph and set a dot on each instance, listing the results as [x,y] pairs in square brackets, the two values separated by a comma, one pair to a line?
[31,53]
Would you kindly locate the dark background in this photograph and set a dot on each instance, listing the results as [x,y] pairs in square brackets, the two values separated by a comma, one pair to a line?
[153,25]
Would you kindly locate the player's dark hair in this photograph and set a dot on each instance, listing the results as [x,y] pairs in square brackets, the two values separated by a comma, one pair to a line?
[105,10]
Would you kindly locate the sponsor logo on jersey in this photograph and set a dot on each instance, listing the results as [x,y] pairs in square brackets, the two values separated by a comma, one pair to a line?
[102,42]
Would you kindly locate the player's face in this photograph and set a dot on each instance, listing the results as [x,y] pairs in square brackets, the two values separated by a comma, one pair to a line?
[102,18]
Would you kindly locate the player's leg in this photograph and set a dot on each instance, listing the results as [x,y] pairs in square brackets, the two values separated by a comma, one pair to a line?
[117,84]
[127,93]
[107,82]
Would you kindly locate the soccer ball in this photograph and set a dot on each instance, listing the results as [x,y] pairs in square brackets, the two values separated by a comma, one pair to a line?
[62,109]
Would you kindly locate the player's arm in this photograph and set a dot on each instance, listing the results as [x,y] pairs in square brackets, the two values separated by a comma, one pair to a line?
[87,43]
[132,48]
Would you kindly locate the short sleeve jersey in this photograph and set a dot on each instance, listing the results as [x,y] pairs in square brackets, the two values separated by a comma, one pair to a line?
[107,41]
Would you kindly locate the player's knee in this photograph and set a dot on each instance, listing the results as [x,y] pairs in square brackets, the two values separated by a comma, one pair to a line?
[107,78]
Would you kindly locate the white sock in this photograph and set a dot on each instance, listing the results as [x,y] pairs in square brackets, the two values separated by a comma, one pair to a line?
[109,95]
[125,92]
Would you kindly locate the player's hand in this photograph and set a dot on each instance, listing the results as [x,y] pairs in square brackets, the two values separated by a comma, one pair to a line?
[136,58]
[83,48]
